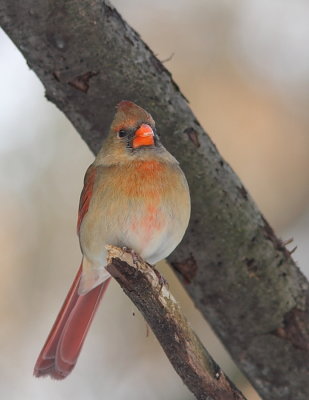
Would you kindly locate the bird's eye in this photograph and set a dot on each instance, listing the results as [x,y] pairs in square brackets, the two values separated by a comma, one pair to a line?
[122,133]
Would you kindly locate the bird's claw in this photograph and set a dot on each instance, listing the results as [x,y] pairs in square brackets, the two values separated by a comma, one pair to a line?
[162,280]
[135,257]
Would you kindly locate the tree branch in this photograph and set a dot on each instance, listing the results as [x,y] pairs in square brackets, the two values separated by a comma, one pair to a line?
[238,273]
[181,345]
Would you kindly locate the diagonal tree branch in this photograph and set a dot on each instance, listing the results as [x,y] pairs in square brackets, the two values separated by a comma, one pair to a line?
[236,270]
[181,345]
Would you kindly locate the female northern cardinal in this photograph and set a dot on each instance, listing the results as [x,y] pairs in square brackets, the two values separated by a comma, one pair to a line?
[135,195]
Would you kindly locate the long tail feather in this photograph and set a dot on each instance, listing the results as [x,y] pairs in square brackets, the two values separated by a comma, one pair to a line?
[63,345]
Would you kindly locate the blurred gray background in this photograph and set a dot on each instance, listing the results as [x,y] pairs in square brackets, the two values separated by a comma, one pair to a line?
[244,66]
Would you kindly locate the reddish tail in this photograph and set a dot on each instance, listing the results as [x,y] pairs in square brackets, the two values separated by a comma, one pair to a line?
[63,345]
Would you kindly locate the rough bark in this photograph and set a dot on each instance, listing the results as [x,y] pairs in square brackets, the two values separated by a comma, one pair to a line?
[144,286]
[236,270]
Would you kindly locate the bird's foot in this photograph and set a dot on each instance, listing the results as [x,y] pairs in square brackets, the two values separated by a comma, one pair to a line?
[135,257]
[162,280]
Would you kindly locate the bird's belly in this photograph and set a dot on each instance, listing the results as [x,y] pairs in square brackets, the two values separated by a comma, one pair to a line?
[150,221]
[147,234]
[145,230]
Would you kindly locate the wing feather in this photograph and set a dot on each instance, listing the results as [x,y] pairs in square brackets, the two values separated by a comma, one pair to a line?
[86,194]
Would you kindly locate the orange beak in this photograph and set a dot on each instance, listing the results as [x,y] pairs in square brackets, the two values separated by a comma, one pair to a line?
[143,136]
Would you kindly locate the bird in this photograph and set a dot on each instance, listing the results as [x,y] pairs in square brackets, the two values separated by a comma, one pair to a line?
[135,196]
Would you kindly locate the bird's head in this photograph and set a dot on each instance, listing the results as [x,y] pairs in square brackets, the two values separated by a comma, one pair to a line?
[132,132]
[133,126]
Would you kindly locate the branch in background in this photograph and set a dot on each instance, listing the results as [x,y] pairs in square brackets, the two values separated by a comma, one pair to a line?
[238,273]
[181,345]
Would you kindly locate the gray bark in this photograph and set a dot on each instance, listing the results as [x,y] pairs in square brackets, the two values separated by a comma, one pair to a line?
[238,273]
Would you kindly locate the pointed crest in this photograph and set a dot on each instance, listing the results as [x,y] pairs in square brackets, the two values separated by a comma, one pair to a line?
[129,115]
